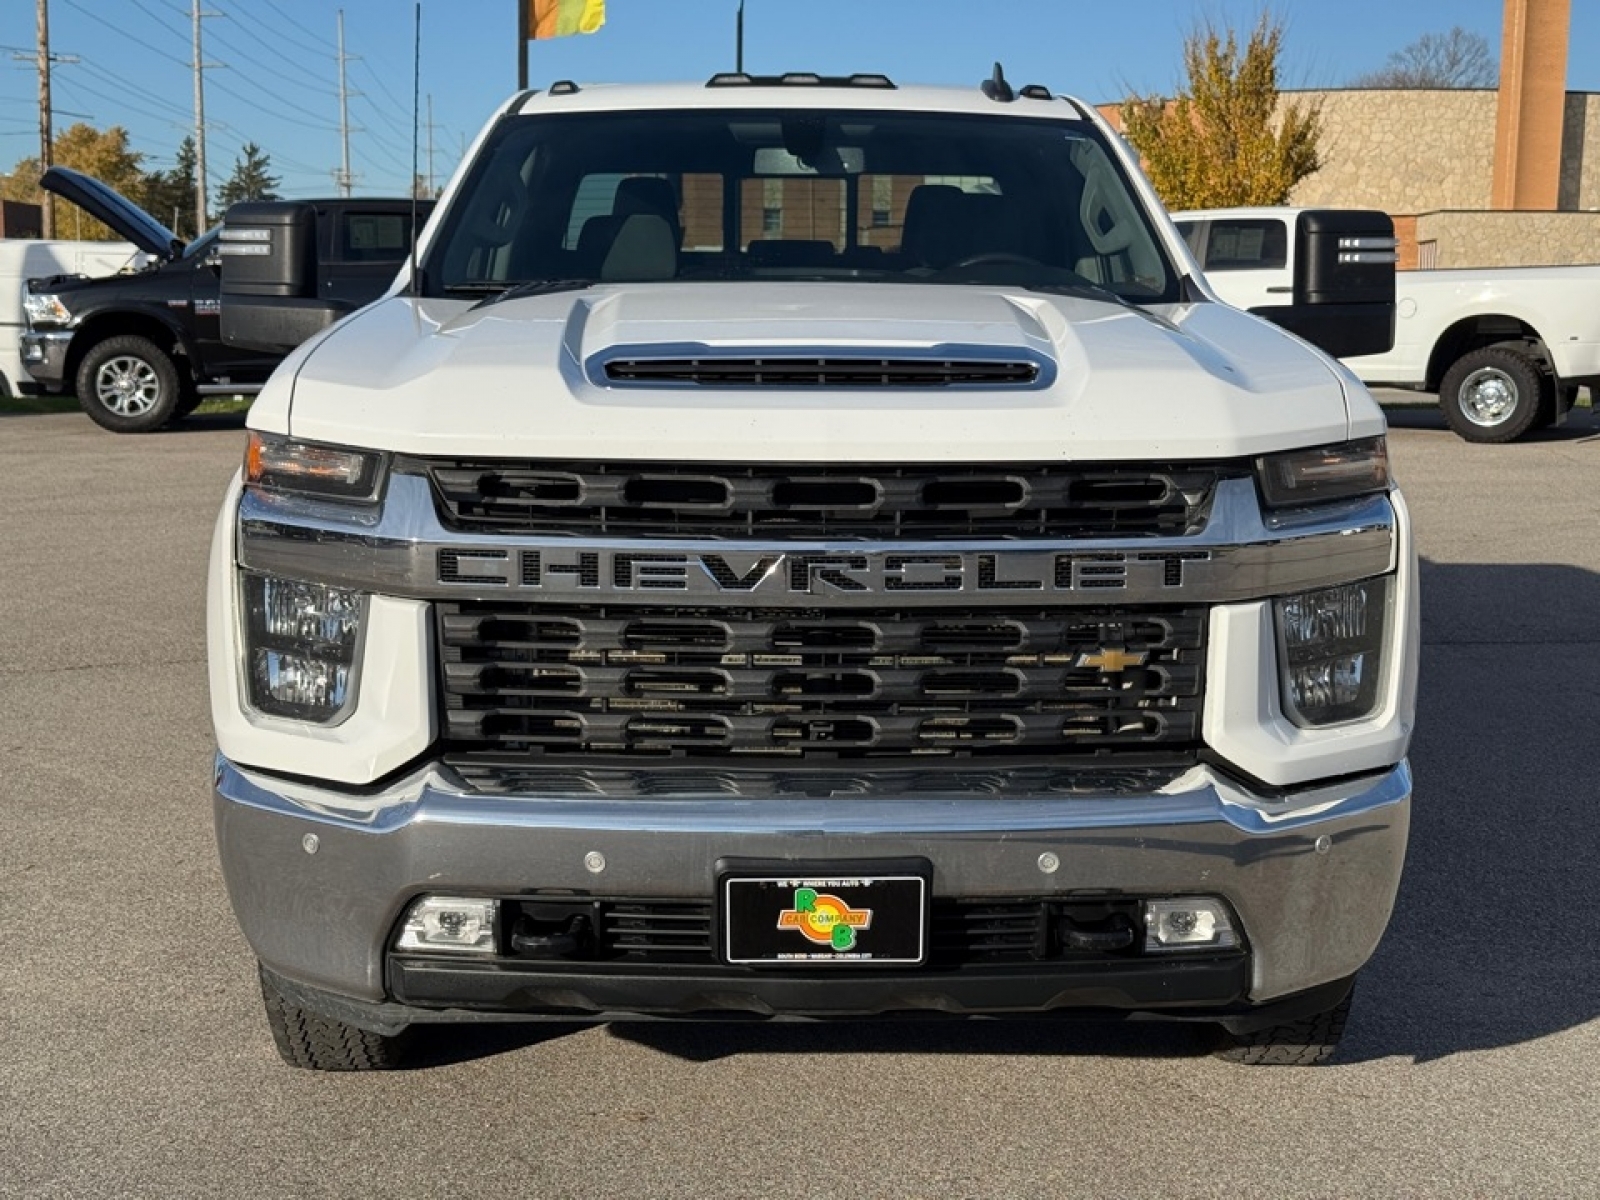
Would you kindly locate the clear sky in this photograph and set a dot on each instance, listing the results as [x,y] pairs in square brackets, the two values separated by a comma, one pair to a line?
[276,82]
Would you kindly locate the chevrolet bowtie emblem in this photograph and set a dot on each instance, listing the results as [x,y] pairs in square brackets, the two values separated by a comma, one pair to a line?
[1111,660]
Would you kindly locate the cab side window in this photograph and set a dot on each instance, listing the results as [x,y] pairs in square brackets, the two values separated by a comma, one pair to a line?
[1246,245]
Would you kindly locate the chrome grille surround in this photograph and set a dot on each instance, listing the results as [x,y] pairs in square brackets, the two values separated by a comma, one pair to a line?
[402,548]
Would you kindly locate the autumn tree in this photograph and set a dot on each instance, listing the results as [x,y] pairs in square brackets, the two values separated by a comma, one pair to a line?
[102,154]
[1458,59]
[252,179]
[1226,138]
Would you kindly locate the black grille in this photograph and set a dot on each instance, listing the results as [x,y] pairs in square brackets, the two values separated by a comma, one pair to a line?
[718,684]
[787,371]
[962,931]
[723,501]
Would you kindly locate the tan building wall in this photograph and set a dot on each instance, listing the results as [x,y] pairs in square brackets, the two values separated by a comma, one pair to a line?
[1402,151]
[1507,239]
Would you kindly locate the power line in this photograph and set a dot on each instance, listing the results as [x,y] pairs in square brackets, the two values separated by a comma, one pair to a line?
[320,84]
[100,20]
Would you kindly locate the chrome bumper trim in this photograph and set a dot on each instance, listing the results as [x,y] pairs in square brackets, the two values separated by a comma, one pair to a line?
[1312,876]
[44,355]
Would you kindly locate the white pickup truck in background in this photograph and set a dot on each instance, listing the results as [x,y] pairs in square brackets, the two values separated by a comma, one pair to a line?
[1506,348]
[22,259]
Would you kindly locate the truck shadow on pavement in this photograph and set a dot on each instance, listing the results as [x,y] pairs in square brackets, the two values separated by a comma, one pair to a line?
[1492,943]
[1581,424]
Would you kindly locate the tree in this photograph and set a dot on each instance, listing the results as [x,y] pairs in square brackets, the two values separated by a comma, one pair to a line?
[1458,59]
[1226,139]
[169,195]
[251,179]
[102,154]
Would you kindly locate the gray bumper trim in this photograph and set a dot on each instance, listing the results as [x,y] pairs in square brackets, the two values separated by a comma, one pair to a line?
[1311,876]
[44,356]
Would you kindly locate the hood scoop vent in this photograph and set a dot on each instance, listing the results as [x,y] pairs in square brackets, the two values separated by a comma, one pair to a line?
[824,371]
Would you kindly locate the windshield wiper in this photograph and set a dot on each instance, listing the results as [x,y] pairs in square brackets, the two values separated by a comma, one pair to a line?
[1086,289]
[496,291]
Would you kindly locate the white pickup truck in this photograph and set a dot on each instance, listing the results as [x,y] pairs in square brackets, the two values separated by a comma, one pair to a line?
[22,259]
[1505,348]
[804,547]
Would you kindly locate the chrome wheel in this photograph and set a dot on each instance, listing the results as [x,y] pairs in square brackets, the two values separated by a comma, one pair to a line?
[127,386]
[1487,396]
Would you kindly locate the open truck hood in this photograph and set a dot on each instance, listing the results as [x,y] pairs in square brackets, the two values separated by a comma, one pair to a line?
[125,218]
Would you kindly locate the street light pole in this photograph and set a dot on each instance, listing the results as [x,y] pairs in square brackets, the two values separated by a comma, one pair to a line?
[738,47]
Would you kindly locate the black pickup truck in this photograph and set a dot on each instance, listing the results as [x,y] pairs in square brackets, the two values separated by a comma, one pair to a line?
[144,349]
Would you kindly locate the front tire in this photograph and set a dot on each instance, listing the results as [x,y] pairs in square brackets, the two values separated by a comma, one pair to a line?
[1492,395]
[317,1043]
[1307,1042]
[128,384]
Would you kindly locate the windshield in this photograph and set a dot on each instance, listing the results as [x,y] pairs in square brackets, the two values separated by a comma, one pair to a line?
[841,196]
[202,245]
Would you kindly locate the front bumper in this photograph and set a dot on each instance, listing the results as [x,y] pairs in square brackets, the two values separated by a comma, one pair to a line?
[44,356]
[1311,876]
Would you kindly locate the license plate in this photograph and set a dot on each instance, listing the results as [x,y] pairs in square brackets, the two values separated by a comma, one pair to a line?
[818,918]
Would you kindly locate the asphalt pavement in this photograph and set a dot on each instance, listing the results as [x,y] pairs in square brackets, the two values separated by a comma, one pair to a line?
[135,1061]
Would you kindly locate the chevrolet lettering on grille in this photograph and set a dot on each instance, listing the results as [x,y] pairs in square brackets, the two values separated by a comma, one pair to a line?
[835,576]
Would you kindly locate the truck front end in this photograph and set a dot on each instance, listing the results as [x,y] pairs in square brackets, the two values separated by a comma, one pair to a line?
[850,573]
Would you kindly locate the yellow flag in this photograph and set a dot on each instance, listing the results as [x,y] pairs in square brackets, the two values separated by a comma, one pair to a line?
[562,18]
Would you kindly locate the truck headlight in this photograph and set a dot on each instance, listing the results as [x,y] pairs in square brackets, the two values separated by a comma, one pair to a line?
[44,309]
[1330,648]
[301,642]
[284,464]
[1324,473]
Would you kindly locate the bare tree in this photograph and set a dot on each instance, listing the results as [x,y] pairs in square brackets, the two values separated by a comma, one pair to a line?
[1458,59]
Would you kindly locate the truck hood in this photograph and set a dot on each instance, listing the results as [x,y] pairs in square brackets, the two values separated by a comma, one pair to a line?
[536,377]
[124,218]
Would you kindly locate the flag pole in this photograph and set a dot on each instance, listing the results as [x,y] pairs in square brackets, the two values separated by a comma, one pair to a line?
[522,45]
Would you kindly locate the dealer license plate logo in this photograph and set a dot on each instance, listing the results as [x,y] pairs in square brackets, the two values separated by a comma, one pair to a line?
[878,920]
[825,919]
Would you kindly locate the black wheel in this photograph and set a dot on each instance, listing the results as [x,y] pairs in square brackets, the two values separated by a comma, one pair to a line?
[1492,395]
[1308,1042]
[128,384]
[319,1043]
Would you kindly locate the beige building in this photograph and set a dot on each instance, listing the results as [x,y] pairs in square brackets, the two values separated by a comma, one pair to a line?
[1506,176]
[1428,159]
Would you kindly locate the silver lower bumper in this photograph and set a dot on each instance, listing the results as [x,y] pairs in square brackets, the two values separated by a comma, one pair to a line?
[319,877]
[44,356]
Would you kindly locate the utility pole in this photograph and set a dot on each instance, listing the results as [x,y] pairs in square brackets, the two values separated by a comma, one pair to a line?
[201,218]
[46,135]
[344,179]
[48,222]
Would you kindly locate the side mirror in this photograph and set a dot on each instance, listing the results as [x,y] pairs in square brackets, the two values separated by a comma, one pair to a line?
[1343,282]
[269,277]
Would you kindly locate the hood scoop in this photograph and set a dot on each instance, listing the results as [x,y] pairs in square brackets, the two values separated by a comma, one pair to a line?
[744,369]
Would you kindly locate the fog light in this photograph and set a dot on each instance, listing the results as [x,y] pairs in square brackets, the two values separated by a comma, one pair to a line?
[1190,923]
[454,923]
